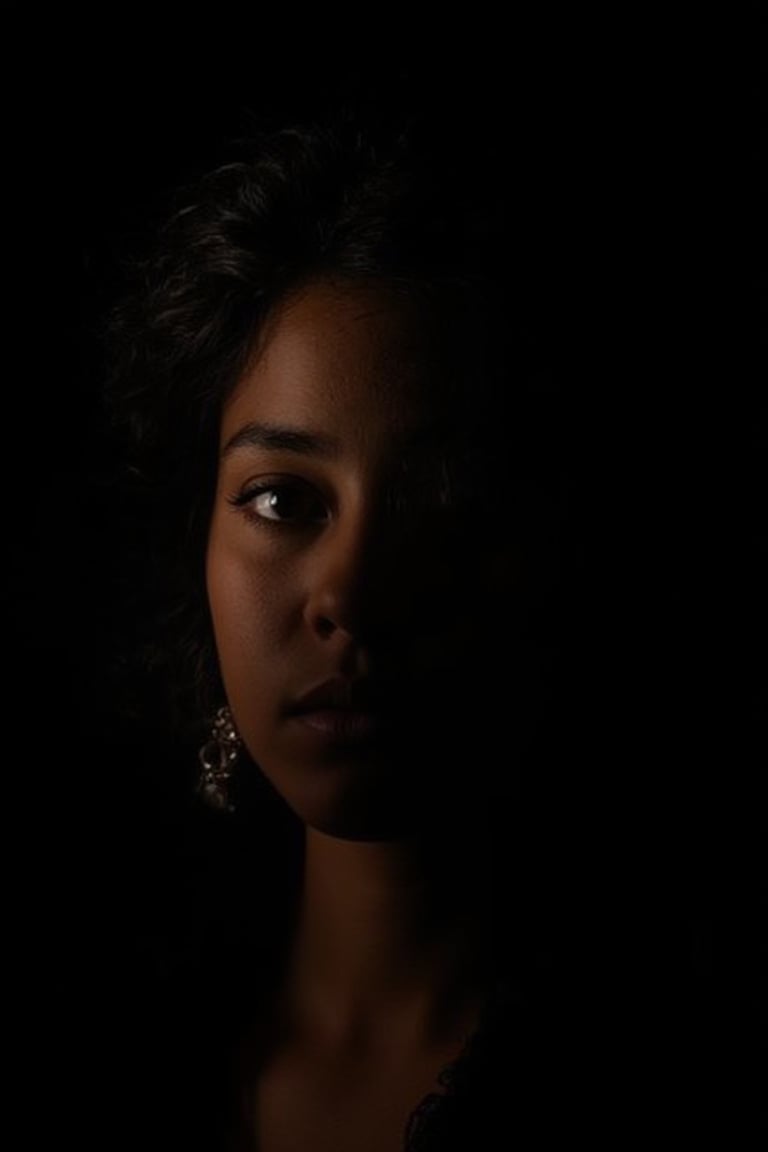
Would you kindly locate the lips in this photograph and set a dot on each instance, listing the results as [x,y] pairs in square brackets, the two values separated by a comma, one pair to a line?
[337,695]
[345,711]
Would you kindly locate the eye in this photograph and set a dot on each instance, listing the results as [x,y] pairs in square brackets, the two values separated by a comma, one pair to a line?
[283,502]
[426,486]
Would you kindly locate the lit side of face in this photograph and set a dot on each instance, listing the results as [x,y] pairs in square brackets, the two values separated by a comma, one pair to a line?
[342,600]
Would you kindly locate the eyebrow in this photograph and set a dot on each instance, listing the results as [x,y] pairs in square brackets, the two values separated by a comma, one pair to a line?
[281,439]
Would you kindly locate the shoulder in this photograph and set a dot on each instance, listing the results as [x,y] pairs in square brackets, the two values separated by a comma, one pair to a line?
[177,983]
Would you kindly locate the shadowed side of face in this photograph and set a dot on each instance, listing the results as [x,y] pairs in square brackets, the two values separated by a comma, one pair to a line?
[352,608]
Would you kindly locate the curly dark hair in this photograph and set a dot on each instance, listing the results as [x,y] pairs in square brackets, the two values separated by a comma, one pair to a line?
[408,205]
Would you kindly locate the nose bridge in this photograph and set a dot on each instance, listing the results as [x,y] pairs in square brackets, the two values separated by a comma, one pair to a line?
[349,572]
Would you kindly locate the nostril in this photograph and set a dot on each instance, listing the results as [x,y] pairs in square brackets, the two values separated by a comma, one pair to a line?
[324,626]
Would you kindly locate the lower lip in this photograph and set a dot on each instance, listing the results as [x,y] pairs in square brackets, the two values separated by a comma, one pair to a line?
[341,726]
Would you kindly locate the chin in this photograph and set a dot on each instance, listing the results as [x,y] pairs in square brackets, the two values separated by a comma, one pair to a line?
[360,827]
[357,808]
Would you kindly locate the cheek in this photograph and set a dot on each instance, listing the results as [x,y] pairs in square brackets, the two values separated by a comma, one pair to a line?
[249,608]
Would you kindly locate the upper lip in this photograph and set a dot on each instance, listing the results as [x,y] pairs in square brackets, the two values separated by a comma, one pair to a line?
[337,695]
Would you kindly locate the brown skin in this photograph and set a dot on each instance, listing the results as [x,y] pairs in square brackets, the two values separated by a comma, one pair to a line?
[318,578]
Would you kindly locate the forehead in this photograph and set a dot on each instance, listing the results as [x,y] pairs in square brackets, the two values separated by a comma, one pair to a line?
[347,357]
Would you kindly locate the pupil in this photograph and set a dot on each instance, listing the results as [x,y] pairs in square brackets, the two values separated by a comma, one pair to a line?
[281,503]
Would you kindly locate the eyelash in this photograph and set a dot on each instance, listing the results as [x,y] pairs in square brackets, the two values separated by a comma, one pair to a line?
[245,499]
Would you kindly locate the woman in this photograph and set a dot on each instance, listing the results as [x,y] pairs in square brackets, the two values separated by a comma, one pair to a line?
[351,472]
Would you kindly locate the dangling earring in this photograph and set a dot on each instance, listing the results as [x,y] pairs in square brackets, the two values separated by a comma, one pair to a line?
[217,759]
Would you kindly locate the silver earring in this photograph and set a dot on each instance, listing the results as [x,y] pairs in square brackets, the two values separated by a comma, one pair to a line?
[217,760]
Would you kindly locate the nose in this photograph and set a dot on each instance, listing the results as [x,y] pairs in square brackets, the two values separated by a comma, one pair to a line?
[355,581]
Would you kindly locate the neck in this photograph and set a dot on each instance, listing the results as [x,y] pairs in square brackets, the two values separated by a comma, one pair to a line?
[389,931]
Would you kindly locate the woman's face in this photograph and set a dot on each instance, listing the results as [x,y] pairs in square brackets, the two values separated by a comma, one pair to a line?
[351,607]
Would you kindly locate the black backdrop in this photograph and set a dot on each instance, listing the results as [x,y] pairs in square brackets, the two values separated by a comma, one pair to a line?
[103,117]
